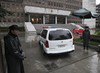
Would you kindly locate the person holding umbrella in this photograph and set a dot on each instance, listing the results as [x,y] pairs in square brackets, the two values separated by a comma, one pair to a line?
[86,38]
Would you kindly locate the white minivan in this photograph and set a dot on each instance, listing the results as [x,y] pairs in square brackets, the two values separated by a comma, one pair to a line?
[56,40]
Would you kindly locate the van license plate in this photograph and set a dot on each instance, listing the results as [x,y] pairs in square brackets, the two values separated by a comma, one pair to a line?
[61,45]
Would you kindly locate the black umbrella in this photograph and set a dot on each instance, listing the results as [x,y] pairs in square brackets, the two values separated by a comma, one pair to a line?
[83,14]
[95,15]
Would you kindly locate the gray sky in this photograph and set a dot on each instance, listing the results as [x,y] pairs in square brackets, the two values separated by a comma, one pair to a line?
[97,1]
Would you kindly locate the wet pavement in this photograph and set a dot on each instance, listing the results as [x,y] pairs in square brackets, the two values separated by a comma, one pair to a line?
[78,61]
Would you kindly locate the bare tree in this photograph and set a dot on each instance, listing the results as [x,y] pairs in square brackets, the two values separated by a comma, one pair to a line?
[4,12]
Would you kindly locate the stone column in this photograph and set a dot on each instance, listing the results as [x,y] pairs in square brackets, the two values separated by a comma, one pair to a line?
[66,20]
[3,65]
[43,19]
[55,19]
[1,58]
[29,17]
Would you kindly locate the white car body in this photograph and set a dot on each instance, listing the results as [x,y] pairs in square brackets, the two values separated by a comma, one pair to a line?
[54,46]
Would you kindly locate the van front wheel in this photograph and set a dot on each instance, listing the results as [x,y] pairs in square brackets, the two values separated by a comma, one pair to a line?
[44,53]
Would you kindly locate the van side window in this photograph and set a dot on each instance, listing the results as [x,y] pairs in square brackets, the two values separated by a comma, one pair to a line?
[44,33]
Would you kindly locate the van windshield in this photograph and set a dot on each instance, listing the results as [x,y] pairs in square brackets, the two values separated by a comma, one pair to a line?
[59,35]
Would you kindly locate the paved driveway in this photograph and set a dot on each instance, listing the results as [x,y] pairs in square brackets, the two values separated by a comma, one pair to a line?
[78,61]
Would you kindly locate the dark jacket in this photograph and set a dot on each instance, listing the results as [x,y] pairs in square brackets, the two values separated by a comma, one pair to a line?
[13,54]
[86,35]
[86,38]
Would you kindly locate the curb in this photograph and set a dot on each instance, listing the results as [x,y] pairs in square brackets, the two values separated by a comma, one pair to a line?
[96,48]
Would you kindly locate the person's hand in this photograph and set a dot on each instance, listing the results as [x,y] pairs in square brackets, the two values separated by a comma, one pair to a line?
[23,54]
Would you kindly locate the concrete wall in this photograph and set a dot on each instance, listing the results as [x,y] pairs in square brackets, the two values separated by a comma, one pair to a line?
[40,10]
[6,24]
[39,27]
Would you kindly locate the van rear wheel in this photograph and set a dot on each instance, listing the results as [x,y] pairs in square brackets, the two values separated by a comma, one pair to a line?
[43,52]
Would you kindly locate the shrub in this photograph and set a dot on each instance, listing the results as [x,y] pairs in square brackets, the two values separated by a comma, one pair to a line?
[97,33]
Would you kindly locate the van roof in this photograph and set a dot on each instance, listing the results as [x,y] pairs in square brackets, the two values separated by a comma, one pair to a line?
[56,29]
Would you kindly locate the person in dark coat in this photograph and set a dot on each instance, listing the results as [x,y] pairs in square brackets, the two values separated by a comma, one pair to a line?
[86,38]
[13,52]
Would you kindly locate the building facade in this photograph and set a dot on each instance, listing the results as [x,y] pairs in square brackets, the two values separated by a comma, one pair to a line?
[40,11]
[91,6]
[98,19]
